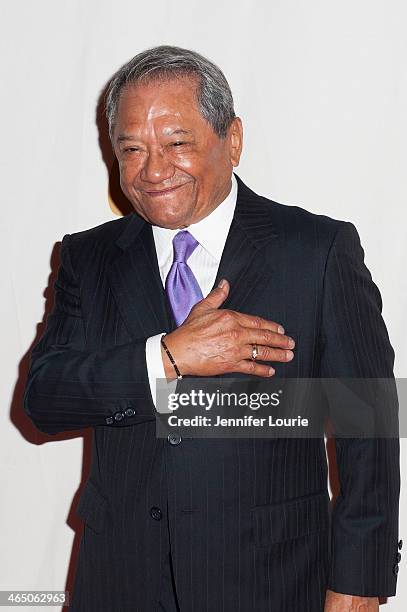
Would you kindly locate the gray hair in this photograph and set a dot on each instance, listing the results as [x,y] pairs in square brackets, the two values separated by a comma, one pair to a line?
[214,96]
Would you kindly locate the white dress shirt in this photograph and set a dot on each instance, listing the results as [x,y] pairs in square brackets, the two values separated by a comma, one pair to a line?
[211,233]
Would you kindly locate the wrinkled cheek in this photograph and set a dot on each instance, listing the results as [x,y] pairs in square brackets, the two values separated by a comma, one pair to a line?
[127,178]
[185,163]
[132,194]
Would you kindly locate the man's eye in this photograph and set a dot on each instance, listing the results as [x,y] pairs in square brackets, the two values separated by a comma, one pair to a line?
[178,144]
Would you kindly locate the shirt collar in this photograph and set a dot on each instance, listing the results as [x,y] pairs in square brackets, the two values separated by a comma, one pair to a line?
[211,231]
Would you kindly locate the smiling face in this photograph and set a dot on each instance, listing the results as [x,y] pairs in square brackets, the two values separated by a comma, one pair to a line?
[174,168]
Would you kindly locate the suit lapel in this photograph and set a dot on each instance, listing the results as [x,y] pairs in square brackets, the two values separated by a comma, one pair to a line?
[134,274]
[245,262]
[135,281]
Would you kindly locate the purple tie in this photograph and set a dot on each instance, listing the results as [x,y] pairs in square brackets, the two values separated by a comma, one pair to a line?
[182,288]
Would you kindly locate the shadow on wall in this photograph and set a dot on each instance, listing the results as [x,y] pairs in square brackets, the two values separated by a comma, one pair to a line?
[118,202]
[121,206]
[25,426]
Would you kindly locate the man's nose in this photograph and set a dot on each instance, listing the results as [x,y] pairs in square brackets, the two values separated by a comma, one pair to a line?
[157,168]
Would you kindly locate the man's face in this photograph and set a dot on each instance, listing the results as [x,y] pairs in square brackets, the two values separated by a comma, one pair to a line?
[174,168]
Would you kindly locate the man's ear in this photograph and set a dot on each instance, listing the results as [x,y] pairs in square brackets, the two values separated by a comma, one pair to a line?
[236,140]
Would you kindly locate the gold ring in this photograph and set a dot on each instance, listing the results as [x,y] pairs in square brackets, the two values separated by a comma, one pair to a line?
[255,352]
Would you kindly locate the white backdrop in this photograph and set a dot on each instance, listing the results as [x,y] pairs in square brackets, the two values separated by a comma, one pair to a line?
[321,89]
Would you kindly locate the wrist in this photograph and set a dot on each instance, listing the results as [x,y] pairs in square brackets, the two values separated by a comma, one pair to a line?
[172,365]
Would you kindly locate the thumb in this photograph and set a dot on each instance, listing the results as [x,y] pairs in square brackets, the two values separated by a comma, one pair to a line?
[217,296]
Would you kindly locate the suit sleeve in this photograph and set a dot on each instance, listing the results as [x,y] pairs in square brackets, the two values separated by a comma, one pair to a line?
[355,344]
[69,387]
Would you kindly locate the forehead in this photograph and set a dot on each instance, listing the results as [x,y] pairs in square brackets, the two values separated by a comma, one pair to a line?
[159,101]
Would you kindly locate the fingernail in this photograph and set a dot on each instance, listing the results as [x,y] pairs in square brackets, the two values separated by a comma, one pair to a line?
[222,283]
[289,354]
[280,329]
[271,371]
[291,343]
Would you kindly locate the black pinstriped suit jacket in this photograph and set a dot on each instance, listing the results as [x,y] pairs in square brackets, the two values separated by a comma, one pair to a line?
[248,520]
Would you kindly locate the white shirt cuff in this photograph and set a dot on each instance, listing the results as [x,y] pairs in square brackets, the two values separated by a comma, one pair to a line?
[155,366]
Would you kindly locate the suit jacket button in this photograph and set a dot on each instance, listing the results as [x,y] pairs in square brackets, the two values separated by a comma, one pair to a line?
[109,420]
[174,439]
[395,569]
[156,513]
[398,558]
[400,544]
[118,416]
[129,412]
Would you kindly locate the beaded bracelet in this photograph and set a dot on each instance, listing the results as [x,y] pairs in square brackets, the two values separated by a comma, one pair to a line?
[171,358]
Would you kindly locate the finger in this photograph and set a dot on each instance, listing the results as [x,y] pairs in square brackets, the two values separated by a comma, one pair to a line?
[267,353]
[247,366]
[250,321]
[266,337]
[216,297]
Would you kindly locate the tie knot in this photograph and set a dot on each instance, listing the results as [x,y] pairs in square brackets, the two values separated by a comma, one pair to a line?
[184,245]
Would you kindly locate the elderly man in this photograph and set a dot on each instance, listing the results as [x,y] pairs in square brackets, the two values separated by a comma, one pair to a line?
[206,278]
